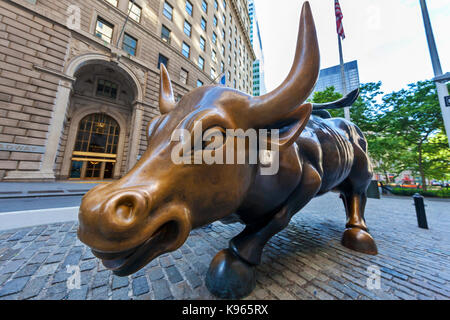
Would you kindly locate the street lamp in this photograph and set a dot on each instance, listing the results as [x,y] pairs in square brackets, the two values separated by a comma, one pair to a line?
[439,79]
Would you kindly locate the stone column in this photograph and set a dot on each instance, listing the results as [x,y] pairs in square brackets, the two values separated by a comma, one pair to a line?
[135,135]
[47,171]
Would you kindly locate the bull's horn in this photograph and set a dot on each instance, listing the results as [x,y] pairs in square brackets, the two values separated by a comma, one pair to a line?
[300,82]
[346,101]
[166,100]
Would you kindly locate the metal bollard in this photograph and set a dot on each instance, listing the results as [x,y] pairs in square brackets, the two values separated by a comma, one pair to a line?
[420,211]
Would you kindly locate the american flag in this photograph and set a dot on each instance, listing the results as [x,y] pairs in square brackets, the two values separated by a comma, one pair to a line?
[339,17]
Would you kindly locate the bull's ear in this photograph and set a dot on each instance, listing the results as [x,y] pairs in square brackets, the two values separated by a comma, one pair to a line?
[166,99]
[291,127]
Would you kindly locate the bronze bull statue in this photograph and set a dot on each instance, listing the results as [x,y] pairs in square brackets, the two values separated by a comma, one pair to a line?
[152,209]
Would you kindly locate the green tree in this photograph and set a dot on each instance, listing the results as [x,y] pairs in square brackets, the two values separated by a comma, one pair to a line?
[404,129]
[413,116]
[437,157]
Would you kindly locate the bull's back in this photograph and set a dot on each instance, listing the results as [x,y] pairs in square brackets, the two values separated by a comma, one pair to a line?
[328,145]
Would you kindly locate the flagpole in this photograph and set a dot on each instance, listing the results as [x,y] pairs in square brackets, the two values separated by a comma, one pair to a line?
[219,76]
[344,82]
[125,24]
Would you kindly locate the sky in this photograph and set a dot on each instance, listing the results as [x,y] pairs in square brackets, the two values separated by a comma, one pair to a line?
[387,37]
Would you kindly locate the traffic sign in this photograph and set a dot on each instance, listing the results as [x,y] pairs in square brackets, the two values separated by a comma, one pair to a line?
[447,101]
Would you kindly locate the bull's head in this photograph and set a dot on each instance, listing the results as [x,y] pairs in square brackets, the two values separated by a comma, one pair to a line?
[152,209]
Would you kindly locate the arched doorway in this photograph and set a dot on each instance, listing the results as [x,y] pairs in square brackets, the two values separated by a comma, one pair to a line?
[96,146]
[100,87]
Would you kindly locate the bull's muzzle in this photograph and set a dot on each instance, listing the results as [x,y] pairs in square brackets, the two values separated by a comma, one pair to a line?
[124,230]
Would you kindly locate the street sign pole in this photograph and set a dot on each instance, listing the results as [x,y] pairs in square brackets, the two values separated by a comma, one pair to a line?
[442,90]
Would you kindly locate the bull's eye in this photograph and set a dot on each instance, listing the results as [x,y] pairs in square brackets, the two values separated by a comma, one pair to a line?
[213,138]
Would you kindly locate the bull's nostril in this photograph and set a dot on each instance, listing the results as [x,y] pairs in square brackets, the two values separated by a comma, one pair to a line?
[125,211]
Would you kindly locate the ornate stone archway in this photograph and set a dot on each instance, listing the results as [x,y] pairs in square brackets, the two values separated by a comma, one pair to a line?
[62,102]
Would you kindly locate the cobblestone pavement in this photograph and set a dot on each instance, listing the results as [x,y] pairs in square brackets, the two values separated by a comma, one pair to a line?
[305,261]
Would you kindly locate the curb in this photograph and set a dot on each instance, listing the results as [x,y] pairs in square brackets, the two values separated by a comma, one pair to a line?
[32,218]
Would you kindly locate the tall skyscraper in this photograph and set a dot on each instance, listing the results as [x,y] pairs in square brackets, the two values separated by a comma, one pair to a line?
[259,83]
[332,77]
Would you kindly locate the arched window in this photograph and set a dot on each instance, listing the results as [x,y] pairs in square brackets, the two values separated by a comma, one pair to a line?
[95,152]
[98,133]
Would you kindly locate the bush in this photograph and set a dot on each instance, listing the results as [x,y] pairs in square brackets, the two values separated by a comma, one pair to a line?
[443,193]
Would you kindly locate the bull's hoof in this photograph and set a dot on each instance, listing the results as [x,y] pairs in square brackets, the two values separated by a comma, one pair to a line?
[359,240]
[229,277]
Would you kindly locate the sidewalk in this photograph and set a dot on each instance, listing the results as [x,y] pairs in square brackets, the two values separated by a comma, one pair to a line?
[10,190]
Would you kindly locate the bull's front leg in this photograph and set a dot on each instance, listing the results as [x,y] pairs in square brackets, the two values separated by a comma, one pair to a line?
[231,274]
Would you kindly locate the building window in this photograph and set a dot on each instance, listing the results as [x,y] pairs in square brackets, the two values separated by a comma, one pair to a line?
[205,6]
[213,73]
[201,63]
[189,8]
[230,32]
[224,2]
[199,83]
[113,2]
[223,50]
[203,24]
[229,61]
[229,76]
[234,83]
[106,89]
[186,50]
[135,11]
[165,34]
[224,19]
[184,75]
[129,44]
[97,134]
[215,21]
[168,11]
[214,38]
[104,30]
[162,59]
[223,35]
[213,55]
[222,66]
[187,28]
[202,43]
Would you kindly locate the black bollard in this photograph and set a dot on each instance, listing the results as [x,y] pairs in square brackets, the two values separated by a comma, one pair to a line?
[420,211]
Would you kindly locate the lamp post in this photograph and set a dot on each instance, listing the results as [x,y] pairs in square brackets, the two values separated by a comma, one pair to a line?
[439,79]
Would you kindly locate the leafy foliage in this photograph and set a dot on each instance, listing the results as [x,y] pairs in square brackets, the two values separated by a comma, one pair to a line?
[443,193]
[404,129]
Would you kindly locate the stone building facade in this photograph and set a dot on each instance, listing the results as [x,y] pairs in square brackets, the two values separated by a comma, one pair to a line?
[79,80]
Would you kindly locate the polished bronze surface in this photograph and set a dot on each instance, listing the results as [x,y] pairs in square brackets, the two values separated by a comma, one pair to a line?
[152,209]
